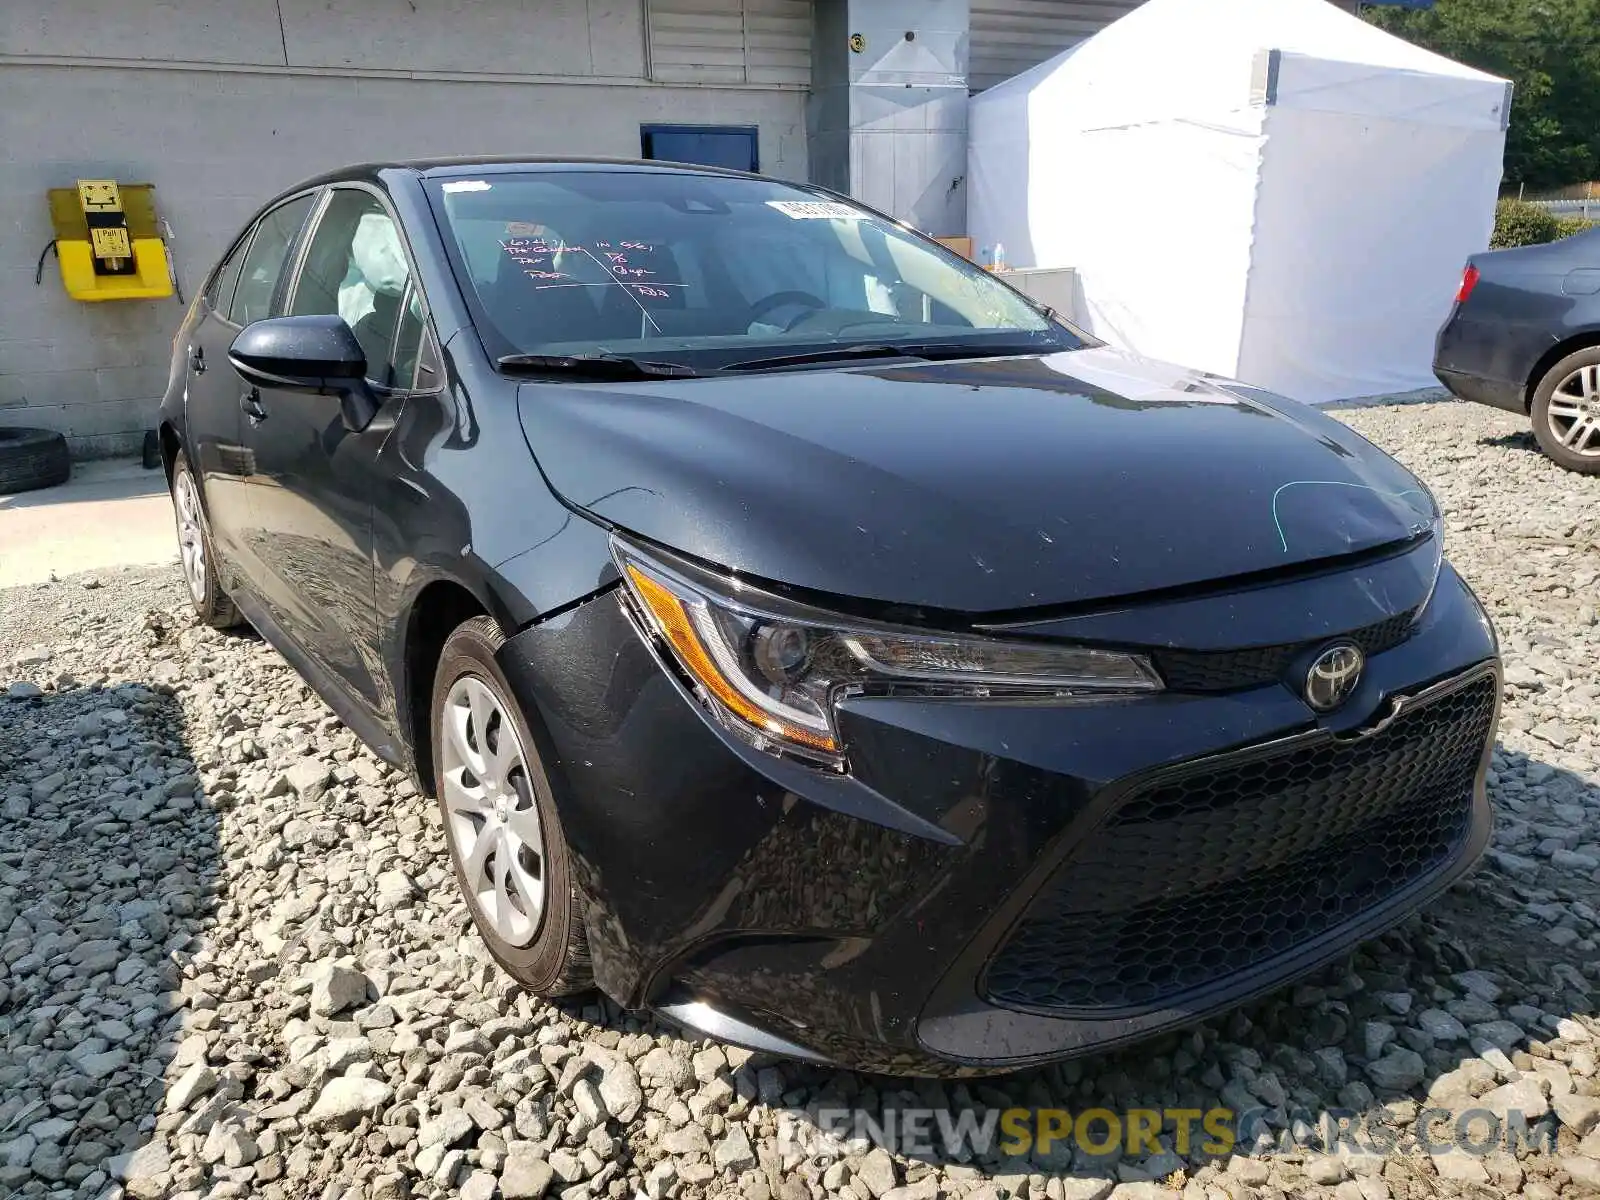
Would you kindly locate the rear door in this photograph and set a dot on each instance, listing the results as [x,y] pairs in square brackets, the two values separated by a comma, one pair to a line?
[241,292]
[314,478]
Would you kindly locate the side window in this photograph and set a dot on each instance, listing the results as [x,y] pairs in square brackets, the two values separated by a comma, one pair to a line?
[356,267]
[414,363]
[263,261]
[220,294]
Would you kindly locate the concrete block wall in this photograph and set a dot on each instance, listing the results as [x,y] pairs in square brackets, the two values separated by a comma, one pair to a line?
[889,121]
[220,105]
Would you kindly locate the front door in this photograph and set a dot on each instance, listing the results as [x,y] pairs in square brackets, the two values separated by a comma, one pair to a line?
[314,477]
[240,293]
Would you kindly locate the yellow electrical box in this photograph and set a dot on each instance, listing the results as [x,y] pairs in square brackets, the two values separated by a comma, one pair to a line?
[108,241]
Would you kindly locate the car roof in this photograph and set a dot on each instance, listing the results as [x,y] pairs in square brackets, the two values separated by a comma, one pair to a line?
[447,168]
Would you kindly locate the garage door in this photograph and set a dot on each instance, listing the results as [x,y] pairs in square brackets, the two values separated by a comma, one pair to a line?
[1009,36]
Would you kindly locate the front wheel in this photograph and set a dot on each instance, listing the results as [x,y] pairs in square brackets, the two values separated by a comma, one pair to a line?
[211,604]
[510,857]
[1566,412]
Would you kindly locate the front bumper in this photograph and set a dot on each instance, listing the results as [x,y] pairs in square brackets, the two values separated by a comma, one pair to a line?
[909,917]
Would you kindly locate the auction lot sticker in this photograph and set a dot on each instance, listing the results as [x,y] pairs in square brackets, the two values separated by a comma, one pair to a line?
[817,210]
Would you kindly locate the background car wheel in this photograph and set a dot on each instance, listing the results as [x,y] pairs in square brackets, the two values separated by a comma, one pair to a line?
[211,604]
[1566,412]
[32,458]
[500,821]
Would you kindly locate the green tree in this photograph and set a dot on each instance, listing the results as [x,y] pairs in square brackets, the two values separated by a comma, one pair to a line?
[1550,50]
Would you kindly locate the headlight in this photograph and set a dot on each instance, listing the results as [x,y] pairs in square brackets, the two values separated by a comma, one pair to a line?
[771,670]
[1436,562]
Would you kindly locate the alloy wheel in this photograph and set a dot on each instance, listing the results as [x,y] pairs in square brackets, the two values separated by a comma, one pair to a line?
[492,815]
[191,539]
[1573,413]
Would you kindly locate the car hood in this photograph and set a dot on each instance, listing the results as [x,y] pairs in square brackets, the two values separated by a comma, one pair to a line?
[977,486]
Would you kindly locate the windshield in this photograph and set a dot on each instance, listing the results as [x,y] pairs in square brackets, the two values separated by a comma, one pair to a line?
[709,270]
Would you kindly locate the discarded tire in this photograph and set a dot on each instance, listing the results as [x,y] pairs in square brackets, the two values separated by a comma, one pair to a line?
[32,458]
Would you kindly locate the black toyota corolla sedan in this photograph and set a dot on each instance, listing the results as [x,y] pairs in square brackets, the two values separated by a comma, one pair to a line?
[1524,335]
[806,635]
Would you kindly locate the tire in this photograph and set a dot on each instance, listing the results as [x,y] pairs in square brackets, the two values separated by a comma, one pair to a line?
[32,458]
[195,550]
[547,951]
[1570,435]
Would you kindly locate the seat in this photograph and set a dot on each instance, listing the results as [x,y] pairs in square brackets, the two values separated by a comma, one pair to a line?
[530,314]
[375,332]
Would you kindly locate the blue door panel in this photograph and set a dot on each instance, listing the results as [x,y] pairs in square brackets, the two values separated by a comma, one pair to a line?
[733,147]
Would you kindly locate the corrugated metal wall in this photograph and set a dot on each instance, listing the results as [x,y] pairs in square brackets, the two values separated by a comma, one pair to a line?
[731,41]
[1009,36]
[769,41]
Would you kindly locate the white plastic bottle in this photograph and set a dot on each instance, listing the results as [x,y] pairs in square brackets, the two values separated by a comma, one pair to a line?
[998,263]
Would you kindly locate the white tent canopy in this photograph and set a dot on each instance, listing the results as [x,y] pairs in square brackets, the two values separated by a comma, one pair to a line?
[1273,190]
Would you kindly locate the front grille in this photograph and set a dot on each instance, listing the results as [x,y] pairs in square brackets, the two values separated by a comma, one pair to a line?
[1206,872]
[1228,670]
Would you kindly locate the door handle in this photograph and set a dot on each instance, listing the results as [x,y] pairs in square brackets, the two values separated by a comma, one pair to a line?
[197,359]
[250,402]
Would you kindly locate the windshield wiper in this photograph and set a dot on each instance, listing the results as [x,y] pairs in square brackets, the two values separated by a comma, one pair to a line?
[926,351]
[595,366]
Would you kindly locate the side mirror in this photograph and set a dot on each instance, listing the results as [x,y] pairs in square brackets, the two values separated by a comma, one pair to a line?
[318,354]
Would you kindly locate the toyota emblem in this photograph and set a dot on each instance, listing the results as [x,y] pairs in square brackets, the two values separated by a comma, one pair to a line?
[1334,676]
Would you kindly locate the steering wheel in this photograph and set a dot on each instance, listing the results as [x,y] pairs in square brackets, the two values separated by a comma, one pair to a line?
[777,300]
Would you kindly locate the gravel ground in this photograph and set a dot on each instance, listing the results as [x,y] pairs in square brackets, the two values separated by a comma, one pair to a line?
[233,961]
